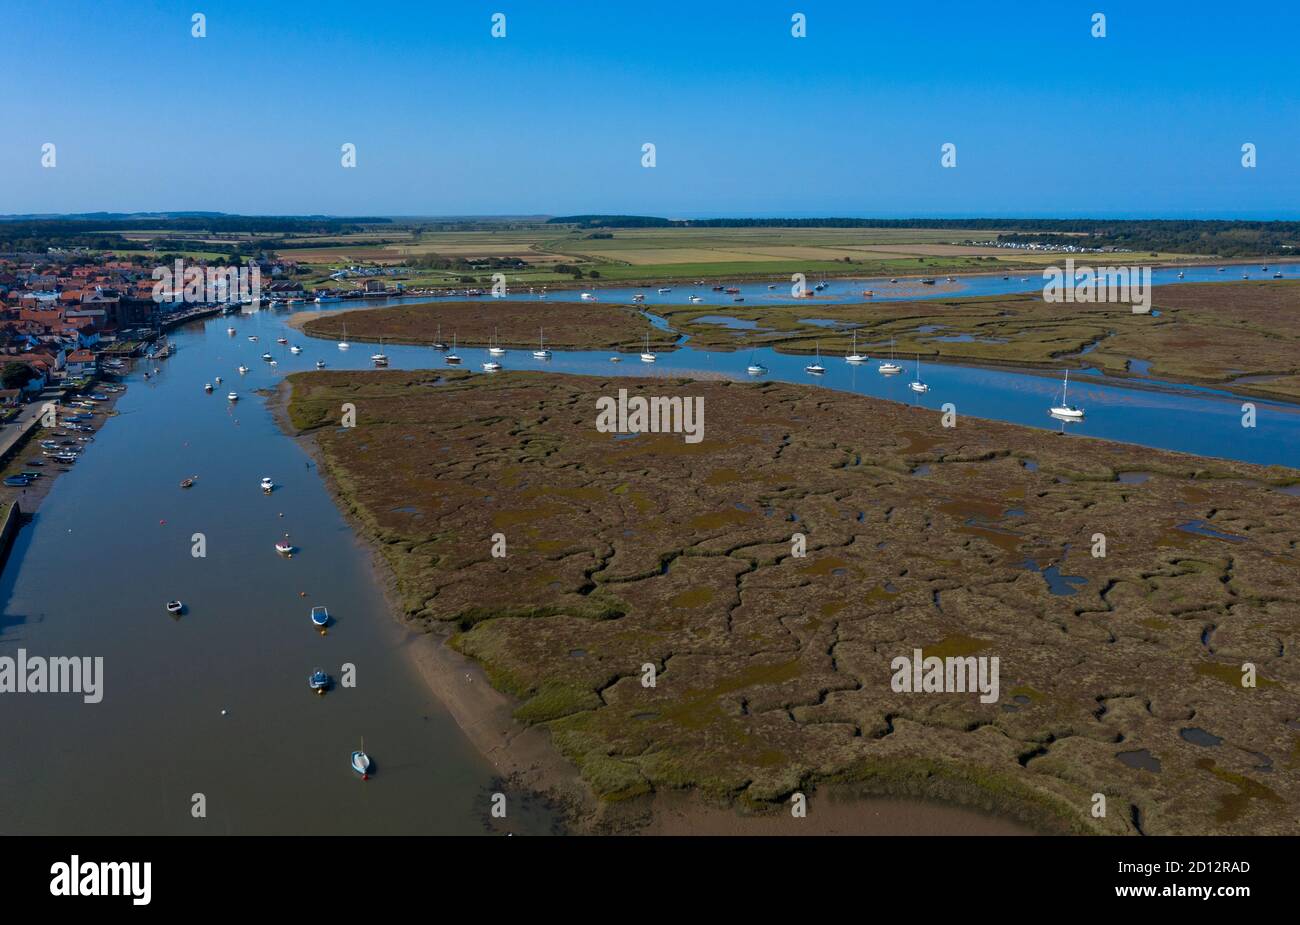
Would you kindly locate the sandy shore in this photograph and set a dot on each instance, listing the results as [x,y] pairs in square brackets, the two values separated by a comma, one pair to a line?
[519,753]
[830,812]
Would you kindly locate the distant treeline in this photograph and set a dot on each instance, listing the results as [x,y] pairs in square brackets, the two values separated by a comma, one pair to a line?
[35,235]
[1216,236]
[439,262]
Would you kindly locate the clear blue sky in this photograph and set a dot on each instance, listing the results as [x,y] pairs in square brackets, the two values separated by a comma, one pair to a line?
[747,120]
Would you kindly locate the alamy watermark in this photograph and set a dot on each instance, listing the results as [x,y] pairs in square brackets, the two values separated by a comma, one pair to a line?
[1104,284]
[193,283]
[658,414]
[76,877]
[922,674]
[58,675]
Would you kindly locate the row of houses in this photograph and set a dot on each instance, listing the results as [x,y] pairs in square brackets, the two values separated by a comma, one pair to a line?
[58,314]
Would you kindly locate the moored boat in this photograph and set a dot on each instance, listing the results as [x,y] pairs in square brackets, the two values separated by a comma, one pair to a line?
[891,368]
[854,356]
[815,367]
[916,385]
[1065,409]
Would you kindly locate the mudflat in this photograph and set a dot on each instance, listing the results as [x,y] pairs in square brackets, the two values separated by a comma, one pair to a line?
[565,325]
[1121,674]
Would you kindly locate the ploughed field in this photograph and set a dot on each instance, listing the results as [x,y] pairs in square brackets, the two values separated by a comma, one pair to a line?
[567,325]
[1227,333]
[1119,675]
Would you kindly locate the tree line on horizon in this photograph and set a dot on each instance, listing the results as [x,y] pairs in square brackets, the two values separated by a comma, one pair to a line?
[1221,237]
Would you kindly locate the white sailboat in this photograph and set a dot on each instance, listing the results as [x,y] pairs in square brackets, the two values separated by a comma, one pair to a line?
[646,355]
[343,344]
[541,352]
[495,349]
[917,385]
[437,343]
[815,367]
[1065,409]
[755,368]
[891,368]
[451,357]
[856,357]
[379,358]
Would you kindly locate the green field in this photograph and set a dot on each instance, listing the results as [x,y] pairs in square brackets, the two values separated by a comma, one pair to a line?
[543,255]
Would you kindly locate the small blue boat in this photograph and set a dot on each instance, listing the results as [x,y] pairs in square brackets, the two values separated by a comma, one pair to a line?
[320,616]
[361,763]
[319,681]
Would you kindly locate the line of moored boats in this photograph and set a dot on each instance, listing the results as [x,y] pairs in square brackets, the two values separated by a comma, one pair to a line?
[319,681]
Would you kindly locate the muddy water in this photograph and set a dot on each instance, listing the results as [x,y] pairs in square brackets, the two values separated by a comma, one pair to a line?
[215,702]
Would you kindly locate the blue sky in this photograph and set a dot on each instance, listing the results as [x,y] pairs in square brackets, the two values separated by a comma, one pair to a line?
[746,120]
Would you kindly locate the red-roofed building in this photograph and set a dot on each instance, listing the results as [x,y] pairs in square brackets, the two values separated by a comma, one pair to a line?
[80,362]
